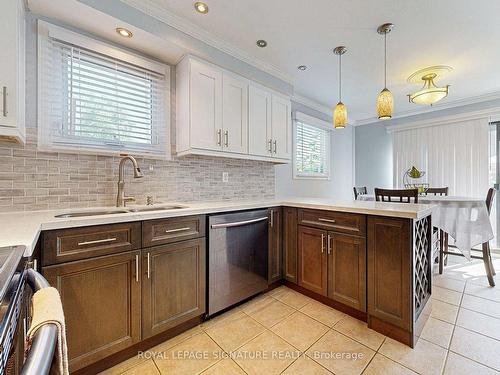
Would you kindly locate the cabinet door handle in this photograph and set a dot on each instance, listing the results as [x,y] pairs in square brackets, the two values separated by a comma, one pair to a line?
[4,101]
[177,230]
[226,138]
[270,146]
[326,220]
[97,241]
[275,147]
[219,137]
[137,268]
[271,221]
[329,246]
[322,243]
[149,266]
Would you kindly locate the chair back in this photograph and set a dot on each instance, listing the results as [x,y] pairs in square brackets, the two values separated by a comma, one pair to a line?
[359,190]
[489,198]
[437,191]
[394,195]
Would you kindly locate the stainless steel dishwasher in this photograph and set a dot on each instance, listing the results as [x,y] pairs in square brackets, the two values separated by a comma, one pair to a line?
[237,257]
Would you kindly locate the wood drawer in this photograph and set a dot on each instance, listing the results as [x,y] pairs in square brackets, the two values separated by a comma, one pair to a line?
[65,245]
[336,221]
[163,231]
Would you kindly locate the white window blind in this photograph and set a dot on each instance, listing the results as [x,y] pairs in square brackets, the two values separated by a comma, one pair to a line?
[312,149]
[92,101]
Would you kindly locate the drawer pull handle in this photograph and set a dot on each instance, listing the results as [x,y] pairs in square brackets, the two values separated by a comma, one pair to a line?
[177,230]
[4,98]
[326,220]
[96,241]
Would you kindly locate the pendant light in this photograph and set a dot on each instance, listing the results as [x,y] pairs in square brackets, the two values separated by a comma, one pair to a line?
[385,100]
[340,112]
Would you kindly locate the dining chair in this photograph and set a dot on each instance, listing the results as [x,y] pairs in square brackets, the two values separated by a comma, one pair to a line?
[436,191]
[485,247]
[359,190]
[402,195]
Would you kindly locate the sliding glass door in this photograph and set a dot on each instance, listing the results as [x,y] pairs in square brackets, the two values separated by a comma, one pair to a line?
[494,177]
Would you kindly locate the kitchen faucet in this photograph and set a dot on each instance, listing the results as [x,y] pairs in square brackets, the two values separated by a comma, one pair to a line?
[121,199]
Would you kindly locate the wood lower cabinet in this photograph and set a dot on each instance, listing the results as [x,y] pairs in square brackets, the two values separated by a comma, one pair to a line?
[173,289]
[347,270]
[290,244]
[313,265]
[102,305]
[275,249]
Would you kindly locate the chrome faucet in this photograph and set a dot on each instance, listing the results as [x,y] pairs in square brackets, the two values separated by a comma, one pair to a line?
[121,199]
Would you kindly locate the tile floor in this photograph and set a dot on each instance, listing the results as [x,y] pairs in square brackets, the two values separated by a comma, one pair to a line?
[284,332]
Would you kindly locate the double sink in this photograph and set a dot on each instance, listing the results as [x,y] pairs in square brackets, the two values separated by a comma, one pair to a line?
[118,211]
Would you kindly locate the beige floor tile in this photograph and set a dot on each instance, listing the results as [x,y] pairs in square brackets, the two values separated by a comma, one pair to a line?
[322,313]
[444,311]
[381,365]
[359,331]
[271,313]
[292,298]
[449,283]
[176,340]
[124,366]
[483,280]
[480,348]
[278,290]
[300,330]
[234,332]
[425,358]
[446,295]
[266,354]
[481,305]
[437,332]
[340,354]
[483,291]
[256,303]
[458,365]
[191,356]
[224,367]
[306,366]
[480,323]
[234,313]
[146,368]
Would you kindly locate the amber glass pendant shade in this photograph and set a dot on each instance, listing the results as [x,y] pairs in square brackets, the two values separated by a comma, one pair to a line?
[385,104]
[340,116]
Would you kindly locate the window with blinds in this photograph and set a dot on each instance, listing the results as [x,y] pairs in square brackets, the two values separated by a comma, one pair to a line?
[312,149]
[94,101]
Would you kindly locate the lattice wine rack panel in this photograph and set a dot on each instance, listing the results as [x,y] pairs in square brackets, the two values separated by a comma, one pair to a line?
[421,259]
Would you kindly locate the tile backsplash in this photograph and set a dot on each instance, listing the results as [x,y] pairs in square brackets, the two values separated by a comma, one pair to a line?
[34,180]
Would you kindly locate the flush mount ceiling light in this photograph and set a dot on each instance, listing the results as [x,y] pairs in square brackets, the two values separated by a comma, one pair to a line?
[385,100]
[124,32]
[340,112]
[430,93]
[201,7]
[261,43]
[302,67]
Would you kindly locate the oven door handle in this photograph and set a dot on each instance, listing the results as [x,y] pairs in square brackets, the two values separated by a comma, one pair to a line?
[41,354]
[238,223]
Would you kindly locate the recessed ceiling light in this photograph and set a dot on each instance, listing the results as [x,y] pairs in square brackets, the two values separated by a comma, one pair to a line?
[201,7]
[302,67]
[124,32]
[261,43]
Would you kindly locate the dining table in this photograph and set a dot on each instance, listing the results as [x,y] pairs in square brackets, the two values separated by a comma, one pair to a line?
[465,219]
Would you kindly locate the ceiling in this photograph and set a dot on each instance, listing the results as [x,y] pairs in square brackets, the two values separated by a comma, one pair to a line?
[459,33]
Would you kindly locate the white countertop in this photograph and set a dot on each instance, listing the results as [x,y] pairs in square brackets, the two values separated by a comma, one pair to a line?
[24,228]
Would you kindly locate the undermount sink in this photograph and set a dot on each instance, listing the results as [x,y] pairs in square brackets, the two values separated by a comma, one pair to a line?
[122,211]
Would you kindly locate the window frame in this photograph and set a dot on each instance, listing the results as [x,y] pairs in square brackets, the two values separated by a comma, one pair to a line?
[47,143]
[303,118]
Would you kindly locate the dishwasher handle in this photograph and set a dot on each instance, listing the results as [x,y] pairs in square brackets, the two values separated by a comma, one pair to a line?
[238,223]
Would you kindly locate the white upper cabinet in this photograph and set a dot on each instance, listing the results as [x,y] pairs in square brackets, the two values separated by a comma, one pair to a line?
[12,66]
[282,129]
[234,114]
[259,122]
[220,113]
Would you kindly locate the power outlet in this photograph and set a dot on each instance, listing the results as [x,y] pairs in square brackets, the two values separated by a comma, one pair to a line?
[225,177]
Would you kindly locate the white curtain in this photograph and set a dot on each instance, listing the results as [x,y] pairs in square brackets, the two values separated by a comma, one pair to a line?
[452,154]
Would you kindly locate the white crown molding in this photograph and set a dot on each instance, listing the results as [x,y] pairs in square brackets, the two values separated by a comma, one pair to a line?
[298,98]
[154,10]
[440,106]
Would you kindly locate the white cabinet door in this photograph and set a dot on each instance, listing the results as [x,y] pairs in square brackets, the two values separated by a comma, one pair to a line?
[205,106]
[259,122]
[282,128]
[234,114]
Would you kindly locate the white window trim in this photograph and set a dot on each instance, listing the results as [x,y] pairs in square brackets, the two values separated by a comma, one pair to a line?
[46,30]
[313,121]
